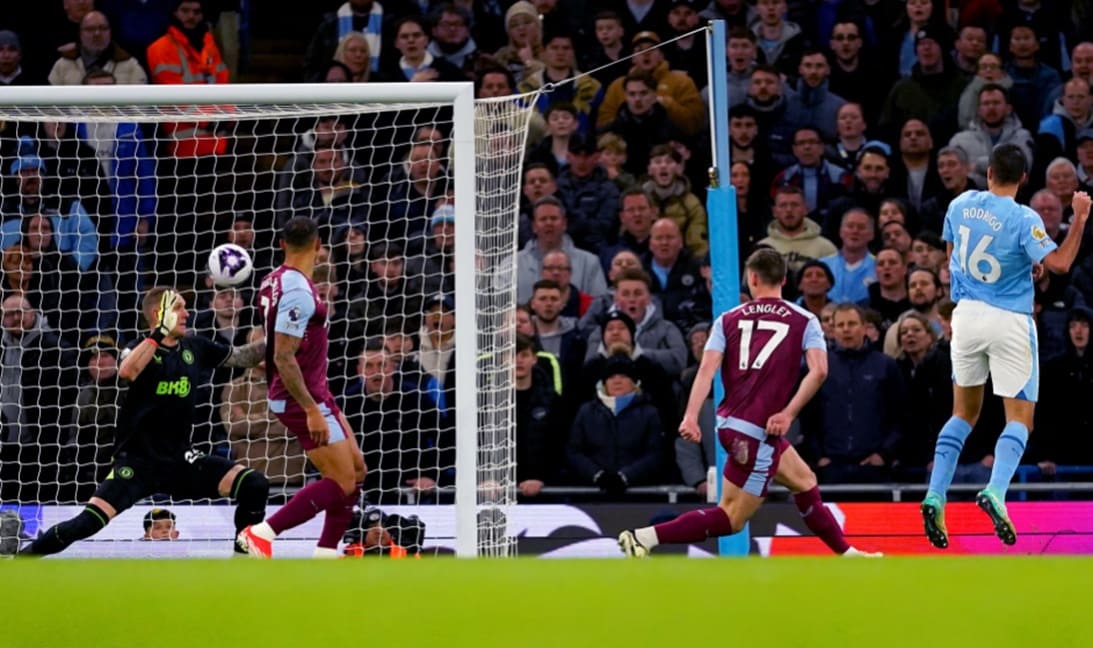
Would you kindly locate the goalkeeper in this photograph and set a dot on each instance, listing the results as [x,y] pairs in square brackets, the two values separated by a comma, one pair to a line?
[152,451]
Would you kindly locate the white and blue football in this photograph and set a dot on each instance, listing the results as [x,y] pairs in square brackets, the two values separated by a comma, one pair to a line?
[229,265]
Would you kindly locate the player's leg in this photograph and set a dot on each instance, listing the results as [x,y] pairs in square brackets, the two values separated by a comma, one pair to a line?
[747,475]
[1015,370]
[340,514]
[794,474]
[219,477]
[119,491]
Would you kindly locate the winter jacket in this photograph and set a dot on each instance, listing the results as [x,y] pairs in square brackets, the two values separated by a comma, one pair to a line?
[173,60]
[860,409]
[799,250]
[968,110]
[675,90]
[540,439]
[930,401]
[832,182]
[659,339]
[348,204]
[592,208]
[73,230]
[816,107]
[786,53]
[333,28]
[1064,433]
[642,133]
[653,381]
[775,130]
[922,96]
[977,144]
[585,93]
[70,69]
[130,177]
[628,441]
[600,306]
[47,372]
[1030,86]
[1058,135]
[693,459]
[585,268]
[684,278]
[682,206]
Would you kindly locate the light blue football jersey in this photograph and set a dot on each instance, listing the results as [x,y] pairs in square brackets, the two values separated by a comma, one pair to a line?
[995,242]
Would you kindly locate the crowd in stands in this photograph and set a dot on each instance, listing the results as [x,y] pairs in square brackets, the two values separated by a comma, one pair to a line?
[852,124]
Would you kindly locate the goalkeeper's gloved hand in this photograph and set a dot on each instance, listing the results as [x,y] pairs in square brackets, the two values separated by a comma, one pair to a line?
[166,315]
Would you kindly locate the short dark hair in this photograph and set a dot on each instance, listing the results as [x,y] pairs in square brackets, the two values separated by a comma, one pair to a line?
[643,77]
[769,264]
[1008,164]
[636,190]
[933,276]
[634,274]
[545,284]
[156,515]
[993,87]
[538,165]
[763,67]
[843,307]
[565,106]
[300,232]
[607,15]
[547,201]
[788,190]
[491,68]
[524,343]
[740,32]
[664,149]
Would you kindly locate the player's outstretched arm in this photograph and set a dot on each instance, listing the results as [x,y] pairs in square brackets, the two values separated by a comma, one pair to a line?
[248,355]
[1060,259]
[293,379]
[816,359]
[134,361]
[711,362]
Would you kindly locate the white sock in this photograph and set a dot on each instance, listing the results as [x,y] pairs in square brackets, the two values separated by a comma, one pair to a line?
[325,552]
[263,531]
[647,536]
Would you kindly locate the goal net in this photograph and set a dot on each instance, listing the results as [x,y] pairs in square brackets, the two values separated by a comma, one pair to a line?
[110,191]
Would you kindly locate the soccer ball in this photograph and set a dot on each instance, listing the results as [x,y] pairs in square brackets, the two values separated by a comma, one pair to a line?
[229,265]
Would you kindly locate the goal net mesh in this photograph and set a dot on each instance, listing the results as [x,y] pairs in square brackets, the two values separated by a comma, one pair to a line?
[101,203]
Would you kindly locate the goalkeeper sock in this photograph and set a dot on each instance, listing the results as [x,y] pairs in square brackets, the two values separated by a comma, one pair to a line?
[819,520]
[304,505]
[250,490]
[57,538]
[1007,455]
[693,526]
[950,442]
[337,521]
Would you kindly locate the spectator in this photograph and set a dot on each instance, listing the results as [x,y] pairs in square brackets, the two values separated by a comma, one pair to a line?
[673,268]
[40,374]
[561,127]
[390,293]
[11,62]
[748,147]
[918,16]
[927,373]
[398,430]
[1053,300]
[642,121]
[742,52]
[989,69]
[159,524]
[849,136]
[695,459]
[352,52]
[970,45]
[869,190]
[1071,113]
[688,51]
[415,186]
[1061,179]
[1085,157]
[1050,209]
[1032,80]
[931,93]
[556,333]
[781,41]
[538,411]
[97,404]
[924,293]
[915,175]
[355,16]
[96,50]
[584,93]
[954,171]
[333,193]
[853,267]
[556,268]
[71,168]
[859,412]
[416,63]
[765,97]
[814,104]
[616,439]
[853,76]
[673,90]
[136,24]
[671,192]
[814,282]
[257,438]
[895,235]
[752,209]
[612,150]
[435,266]
[67,298]
[994,124]
[622,259]
[521,55]
[549,226]
[1081,67]
[591,200]
[452,39]
[1065,432]
[929,251]
[660,340]
[436,345]
[538,184]
[821,181]
[792,234]
[609,47]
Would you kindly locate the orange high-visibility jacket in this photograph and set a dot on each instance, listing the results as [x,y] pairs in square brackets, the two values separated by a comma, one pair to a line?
[173,60]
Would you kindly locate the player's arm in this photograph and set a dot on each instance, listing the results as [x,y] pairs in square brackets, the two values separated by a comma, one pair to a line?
[816,360]
[284,358]
[711,362]
[133,361]
[248,355]
[1061,258]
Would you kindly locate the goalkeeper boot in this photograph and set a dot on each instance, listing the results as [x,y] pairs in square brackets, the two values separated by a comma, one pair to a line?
[995,508]
[255,545]
[933,518]
[630,545]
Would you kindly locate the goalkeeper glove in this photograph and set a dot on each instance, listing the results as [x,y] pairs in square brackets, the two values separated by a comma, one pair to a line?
[166,316]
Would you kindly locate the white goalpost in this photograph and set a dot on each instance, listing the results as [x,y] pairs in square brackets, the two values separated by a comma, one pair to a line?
[110,190]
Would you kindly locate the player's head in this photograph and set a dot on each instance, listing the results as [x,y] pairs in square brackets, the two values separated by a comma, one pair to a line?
[765,269]
[159,524]
[1007,166]
[300,234]
[149,307]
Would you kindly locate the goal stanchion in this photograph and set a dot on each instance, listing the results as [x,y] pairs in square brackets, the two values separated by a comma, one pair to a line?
[108,191]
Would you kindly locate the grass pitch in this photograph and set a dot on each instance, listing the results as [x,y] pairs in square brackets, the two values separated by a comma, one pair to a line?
[663,602]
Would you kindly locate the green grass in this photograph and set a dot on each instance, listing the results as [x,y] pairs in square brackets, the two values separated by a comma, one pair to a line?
[661,602]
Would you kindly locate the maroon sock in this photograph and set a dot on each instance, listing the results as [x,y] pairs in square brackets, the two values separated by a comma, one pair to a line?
[306,504]
[695,526]
[820,521]
[338,517]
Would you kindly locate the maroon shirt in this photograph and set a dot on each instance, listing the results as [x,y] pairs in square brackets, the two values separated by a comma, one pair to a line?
[290,305]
